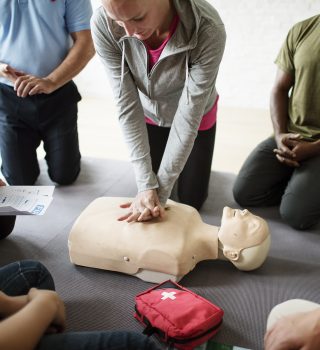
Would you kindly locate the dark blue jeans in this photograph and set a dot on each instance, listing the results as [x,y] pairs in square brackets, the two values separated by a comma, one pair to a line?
[17,278]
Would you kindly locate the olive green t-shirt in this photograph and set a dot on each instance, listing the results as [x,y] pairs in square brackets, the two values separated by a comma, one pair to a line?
[300,56]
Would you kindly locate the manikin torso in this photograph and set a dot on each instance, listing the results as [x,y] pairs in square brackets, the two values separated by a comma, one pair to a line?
[164,248]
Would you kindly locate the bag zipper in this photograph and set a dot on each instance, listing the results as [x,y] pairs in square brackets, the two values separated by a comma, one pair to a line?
[149,330]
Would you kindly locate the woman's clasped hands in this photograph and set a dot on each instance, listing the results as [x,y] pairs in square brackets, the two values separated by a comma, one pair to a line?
[144,207]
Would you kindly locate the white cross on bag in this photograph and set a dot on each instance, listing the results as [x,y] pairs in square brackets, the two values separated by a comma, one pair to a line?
[166,295]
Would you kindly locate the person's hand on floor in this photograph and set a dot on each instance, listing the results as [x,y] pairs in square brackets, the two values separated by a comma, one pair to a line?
[2,183]
[300,331]
[144,207]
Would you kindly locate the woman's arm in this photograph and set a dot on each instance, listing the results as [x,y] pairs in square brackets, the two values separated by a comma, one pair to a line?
[24,329]
[203,62]
[130,111]
[10,305]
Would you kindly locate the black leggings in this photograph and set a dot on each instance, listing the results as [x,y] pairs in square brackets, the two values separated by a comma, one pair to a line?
[193,182]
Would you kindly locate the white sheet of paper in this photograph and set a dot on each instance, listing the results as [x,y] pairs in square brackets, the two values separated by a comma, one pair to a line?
[25,200]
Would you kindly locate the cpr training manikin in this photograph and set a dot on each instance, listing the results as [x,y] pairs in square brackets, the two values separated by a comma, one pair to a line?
[165,248]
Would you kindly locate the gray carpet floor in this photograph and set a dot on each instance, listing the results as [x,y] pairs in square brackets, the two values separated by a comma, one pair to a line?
[97,299]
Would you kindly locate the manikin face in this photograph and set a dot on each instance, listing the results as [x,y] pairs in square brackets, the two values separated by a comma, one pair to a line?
[240,229]
[139,18]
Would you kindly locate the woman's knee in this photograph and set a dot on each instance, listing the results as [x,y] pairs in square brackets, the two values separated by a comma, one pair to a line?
[36,274]
[194,199]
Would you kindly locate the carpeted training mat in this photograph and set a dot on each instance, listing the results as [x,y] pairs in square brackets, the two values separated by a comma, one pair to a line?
[97,299]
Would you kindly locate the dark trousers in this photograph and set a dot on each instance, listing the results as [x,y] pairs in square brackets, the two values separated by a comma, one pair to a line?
[193,182]
[17,279]
[264,181]
[25,122]
[6,225]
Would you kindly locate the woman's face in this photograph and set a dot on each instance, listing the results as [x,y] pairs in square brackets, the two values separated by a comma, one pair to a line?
[139,18]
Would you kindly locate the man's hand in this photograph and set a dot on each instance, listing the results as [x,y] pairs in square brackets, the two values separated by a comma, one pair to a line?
[51,299]
[2,183]
[28,85]
[305,150]
[9,72]
[286,142]
[144,207]
[299,332]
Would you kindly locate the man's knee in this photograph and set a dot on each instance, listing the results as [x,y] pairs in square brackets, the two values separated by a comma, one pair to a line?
[6,225]
[27,177]
[64,176]
[296,214]
[241,194]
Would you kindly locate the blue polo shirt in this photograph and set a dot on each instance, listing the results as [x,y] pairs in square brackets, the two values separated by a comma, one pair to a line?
[35,34]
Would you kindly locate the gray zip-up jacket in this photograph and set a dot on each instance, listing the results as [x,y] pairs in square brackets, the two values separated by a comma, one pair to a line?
[176,93]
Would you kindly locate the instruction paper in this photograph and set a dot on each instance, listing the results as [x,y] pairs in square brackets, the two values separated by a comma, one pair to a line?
[25,200]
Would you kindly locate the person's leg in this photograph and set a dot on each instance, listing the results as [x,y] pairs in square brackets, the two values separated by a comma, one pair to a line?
[17,278]
[6,225]
[193,181]
[300,204]
[289,307]
[158,137]
[112,340]
[262,178]
[60,134]
[18,138]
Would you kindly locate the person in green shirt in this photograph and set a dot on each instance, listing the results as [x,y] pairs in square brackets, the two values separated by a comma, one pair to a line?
[283,170]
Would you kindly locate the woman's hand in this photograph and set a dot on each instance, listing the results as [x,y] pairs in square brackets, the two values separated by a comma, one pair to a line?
[51,299]
[144,207]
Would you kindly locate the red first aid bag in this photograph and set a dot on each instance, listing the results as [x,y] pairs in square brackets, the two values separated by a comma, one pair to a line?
[177,316]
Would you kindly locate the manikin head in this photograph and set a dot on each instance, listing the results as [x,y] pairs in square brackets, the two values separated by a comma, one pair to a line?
[139,18]
[244,238]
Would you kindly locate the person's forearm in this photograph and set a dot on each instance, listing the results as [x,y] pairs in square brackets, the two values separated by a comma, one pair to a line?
[316,150]
[279,103]
[2,65]
[79,55]
[10,305]
[29,324]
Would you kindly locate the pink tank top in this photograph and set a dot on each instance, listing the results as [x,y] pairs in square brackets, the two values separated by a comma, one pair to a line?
[210,118]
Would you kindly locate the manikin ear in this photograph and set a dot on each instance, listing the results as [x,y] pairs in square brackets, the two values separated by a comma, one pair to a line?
[249,258]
